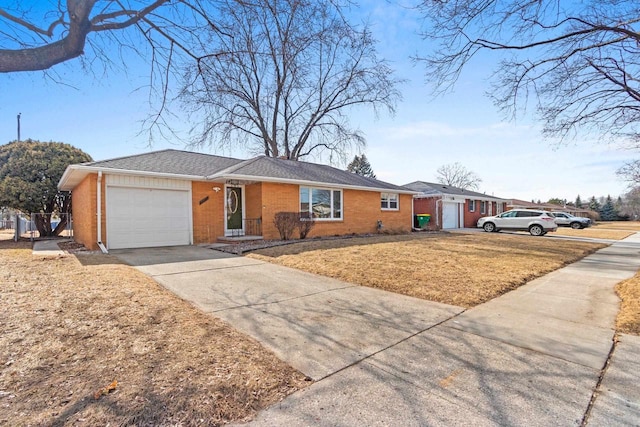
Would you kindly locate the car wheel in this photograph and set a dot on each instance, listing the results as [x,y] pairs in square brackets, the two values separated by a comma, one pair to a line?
[489,227]
[536,230]
[576,225]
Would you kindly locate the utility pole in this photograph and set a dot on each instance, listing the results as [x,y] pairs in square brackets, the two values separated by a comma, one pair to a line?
[19,126]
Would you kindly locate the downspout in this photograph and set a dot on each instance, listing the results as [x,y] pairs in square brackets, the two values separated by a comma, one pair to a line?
[99,197]
[413,213]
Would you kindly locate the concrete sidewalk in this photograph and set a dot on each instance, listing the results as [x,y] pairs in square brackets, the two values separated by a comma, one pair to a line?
[531,357]
[48,248]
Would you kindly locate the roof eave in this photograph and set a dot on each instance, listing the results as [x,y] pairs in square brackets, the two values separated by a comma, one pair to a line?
[465,196]
[240,177]
[85,170]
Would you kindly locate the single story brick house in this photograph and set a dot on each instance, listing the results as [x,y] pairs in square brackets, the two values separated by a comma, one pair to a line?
[173,197]
[452,207]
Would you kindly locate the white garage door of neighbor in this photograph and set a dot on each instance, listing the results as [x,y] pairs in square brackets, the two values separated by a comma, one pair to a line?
[146,217]
[449,215]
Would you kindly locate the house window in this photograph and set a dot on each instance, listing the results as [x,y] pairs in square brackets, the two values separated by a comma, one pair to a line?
[321,203]
[472,205]
[389,201]
[483,207]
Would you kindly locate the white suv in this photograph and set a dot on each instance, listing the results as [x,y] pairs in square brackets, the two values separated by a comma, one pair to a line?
[536,222]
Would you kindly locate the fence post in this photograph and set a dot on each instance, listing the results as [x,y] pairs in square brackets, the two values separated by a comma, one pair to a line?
[16,236]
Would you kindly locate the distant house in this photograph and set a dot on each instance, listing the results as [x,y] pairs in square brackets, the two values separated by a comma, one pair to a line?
[453,207]
[173,197]
[523,204]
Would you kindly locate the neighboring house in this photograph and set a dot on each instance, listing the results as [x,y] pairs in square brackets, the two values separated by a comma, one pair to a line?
[173,197]
[453,207]
[523,204]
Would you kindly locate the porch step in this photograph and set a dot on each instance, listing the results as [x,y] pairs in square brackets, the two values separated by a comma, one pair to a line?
[238,239]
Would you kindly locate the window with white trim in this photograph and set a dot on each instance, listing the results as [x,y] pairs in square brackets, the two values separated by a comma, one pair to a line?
[389,201]
[483,207]
[321,203]
[472,205]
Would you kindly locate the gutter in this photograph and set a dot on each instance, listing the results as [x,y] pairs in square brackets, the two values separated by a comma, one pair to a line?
[308,183]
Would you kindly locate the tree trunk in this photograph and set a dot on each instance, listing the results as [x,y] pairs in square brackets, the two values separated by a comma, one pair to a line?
[43,224]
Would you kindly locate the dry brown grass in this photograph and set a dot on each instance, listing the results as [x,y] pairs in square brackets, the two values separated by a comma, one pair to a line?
[619,225]
[594,233]
[628,320]
[70,326]
[458,269]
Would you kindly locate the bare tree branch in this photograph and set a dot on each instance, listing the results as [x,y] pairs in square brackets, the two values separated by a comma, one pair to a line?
[281,75]
[456,175]
[576,62]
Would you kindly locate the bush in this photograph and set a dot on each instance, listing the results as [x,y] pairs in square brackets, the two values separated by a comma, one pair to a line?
[305,224]
[287,222]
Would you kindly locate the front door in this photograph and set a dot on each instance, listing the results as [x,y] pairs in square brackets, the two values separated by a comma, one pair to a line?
[233,224]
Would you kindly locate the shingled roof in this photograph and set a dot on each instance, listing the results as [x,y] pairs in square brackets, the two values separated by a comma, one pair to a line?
[196,166]
[279,170]
[169,162]
[436,189]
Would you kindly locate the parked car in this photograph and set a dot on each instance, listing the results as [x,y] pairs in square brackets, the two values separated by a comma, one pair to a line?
[565,219]
[536,222]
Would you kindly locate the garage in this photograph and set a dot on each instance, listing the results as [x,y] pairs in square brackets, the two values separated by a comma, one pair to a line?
[450,215]
[139,217]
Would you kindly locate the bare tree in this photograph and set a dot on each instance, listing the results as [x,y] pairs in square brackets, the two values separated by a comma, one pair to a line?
[102,33]
[456,175]
[282,76]
[630,172]
[631,204]
[37,38]
[579,62]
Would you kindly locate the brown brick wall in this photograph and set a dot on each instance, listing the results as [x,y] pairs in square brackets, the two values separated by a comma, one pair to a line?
[253,199]
[83,199]
[208,217]
[85,219]
[429,206]
[361,211]
[471,218]
[262,200]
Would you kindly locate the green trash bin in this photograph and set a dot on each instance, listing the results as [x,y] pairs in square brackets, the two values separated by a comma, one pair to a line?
[422,220]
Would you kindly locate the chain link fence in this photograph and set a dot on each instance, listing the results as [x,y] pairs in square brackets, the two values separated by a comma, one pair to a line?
[37,226]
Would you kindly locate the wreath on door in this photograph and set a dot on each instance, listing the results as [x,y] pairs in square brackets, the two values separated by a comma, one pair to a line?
[232,203]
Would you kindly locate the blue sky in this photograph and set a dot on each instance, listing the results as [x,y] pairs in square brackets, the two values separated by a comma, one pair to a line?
[102,114]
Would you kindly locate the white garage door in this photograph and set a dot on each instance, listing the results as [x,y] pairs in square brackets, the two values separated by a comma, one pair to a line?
[146,217]
[449,215]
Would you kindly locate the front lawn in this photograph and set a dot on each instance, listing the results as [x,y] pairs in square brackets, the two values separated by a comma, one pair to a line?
[71,326]
[458,269]
[628,321]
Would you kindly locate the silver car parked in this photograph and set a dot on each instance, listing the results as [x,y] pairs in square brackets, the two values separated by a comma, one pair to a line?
[565,219]
[536,222]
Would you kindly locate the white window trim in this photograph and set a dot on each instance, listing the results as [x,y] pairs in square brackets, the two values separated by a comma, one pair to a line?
[331,190]
[397,208]
[472,205]
[483,207]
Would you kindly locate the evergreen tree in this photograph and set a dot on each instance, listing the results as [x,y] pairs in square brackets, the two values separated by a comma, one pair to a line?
[608,210]
[594,204]
[29,175]
[361,166]
[578,202]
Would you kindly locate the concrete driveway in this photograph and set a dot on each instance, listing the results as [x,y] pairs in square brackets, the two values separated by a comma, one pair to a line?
[541,355]
[316,324]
